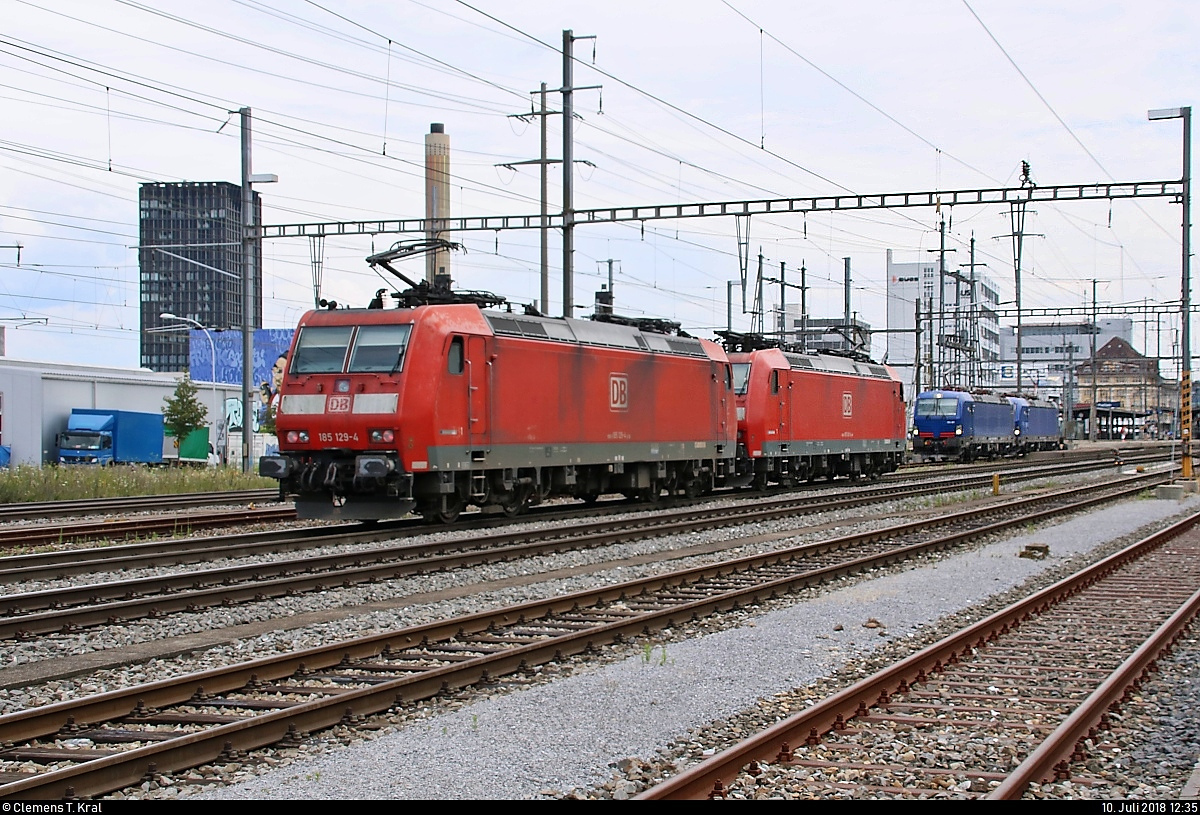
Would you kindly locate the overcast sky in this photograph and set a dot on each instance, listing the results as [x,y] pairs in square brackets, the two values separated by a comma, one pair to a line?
[704,100]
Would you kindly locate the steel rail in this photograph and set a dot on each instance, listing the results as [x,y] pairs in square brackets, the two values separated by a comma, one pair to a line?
[71,531]
[709,777]
[135,503]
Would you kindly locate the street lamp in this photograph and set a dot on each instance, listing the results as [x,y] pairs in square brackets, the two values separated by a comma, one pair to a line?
[250,236]
[166,315]
[1185,395]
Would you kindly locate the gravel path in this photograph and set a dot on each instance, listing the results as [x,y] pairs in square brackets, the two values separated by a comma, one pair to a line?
[584,733]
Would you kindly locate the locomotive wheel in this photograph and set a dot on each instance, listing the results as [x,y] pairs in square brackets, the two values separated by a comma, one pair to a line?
[590,498]
[693,488]
[448,516]
[513,507]
[434,513]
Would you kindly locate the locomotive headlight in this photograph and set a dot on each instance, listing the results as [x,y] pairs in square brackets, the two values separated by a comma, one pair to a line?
[382,436]
[958,430]
[297,437]
[1017,431]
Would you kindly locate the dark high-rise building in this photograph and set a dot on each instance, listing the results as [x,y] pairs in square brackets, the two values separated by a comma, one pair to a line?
[191,264]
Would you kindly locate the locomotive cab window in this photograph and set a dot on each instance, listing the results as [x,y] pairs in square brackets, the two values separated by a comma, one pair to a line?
[741,377]
[321,349]
[454,363]
[937,407]
[379,348]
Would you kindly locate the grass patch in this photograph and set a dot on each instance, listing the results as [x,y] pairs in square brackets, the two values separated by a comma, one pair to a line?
[54,483]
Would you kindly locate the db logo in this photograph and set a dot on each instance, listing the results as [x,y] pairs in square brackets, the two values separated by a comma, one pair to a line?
[618,392]
[338,404]
[847,404]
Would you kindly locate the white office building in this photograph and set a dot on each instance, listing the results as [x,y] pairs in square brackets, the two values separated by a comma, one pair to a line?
[959,331]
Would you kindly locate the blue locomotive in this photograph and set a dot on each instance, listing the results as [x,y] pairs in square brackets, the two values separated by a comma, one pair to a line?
[955,424]
[1037,425]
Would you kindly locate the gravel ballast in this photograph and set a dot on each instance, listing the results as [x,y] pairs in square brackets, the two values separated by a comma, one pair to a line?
[568,737]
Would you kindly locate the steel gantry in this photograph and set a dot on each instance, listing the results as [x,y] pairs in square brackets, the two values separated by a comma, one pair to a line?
[768,206]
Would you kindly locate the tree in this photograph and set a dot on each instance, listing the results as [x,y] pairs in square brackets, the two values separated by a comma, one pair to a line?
[183,412]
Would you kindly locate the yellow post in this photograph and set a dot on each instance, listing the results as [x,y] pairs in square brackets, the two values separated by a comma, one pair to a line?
[1185,422]
[995,483]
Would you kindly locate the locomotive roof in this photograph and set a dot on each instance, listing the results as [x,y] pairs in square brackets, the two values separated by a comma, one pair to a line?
[588,332]
[964,396]
[582,332]
[836,364]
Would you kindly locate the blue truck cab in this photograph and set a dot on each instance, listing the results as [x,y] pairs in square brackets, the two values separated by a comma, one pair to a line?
[106,437]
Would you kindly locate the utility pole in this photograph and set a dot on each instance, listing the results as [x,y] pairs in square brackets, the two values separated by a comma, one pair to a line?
[544,163]
[1092,409]
[568,247]
[783,286]
[1017,210]
[568,112]
[973,373]
[544,230]
[917,348]
[248,315]
[250,244]
[846,308]
[938,335]
[803,310]
[782,303]
[1069,399]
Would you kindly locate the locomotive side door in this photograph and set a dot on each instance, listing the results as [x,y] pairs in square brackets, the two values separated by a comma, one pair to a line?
[478,382]
[779,389]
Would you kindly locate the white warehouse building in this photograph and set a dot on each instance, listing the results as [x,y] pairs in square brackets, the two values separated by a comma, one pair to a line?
[37,397]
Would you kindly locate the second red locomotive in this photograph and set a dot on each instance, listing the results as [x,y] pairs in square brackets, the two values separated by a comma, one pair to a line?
[808,416]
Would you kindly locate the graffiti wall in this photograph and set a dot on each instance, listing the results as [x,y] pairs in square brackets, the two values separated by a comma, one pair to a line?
[270,350]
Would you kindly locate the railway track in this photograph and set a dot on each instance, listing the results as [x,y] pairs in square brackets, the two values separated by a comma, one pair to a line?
[91,746]
[70,608]
[1020,698]
[181,523]
[33,510]
[52,564]
[144,526]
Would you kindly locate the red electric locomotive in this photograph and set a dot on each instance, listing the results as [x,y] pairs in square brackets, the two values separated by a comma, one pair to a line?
[805,416]
[433,408]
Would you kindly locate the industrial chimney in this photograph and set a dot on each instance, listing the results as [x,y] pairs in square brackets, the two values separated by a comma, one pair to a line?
[437,199]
